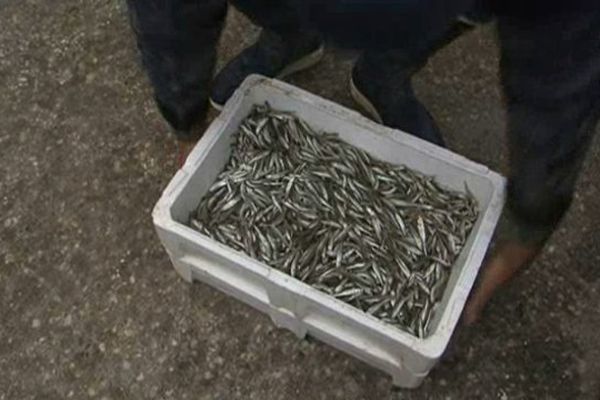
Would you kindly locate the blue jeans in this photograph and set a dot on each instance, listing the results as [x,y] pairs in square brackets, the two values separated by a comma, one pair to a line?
[550,72]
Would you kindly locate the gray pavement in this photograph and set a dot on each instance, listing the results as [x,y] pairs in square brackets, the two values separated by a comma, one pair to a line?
[91,308]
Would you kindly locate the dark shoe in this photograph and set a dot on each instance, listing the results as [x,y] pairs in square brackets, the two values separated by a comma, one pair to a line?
[480,13]
[272,55]
[383,90]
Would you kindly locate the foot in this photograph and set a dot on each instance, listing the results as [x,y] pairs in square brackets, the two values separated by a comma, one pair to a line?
[510,259]
[384,92]
[272,55]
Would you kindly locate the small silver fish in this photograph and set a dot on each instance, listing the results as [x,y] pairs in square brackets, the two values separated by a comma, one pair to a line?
[381,237]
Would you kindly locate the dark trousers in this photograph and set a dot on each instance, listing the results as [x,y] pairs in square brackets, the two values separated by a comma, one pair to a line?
[550,70]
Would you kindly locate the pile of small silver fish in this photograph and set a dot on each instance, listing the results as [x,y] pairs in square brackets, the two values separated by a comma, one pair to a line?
[378,236]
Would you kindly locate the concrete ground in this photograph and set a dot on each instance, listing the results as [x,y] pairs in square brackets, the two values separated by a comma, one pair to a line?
[90,306]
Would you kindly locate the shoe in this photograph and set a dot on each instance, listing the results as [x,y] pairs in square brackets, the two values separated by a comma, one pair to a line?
[273,55]
[386,95]
[479,14]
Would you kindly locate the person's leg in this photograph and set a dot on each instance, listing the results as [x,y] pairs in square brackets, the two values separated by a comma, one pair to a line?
[285,46]
[177,41]
[286,17]
[551,75]
[381,85]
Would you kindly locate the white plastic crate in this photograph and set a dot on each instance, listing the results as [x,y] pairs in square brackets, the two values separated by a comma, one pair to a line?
[291,303]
